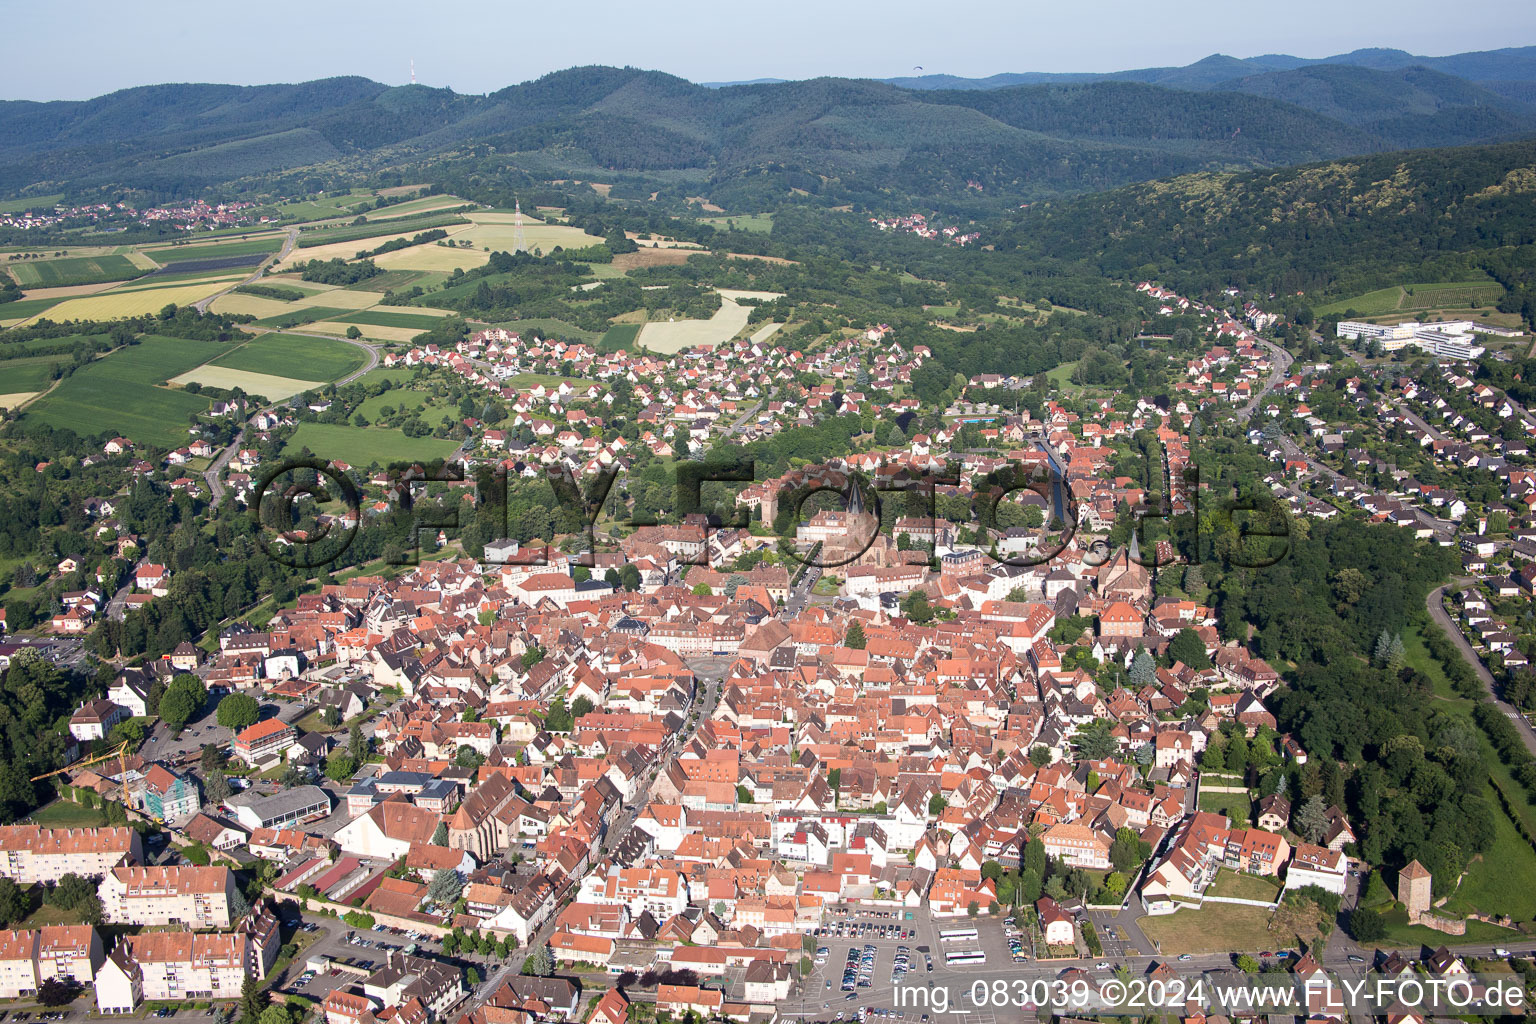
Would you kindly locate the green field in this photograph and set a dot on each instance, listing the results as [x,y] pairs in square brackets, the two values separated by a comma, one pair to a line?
[757,223]
[65,814]
[31,203]
[432,408]
[619,337]
[377,318]
[380,230]
[29,373]
[363,446]
[1442,295]
[288,355]
[307,315]
[119,393]
[72,270]
[244,247]
[24,308]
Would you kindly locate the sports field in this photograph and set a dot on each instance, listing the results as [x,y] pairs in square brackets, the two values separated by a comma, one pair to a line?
[363,446]
[294,356]
[120,393]
[73,270]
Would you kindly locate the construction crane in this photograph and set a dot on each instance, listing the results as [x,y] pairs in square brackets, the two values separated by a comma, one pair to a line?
[121,753]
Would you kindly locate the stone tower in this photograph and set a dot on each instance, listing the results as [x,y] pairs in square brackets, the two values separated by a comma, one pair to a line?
[1413,890]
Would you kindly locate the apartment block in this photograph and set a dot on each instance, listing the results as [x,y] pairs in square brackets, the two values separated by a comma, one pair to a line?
[31,853]
[195,897]
[28,958]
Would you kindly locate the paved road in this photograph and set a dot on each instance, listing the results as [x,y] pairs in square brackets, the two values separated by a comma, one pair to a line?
[1280,370]
[1436,605]
[211,476]
[201,305]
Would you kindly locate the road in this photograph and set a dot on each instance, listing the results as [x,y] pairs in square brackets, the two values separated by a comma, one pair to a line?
[1277,373]
[1436,605]
[211,476]
[201,305]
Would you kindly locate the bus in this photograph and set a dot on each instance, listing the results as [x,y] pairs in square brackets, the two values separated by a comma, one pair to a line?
[960,935]
[965,956]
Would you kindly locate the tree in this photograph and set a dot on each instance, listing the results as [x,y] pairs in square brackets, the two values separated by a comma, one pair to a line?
[183,701]
[744,795]
[213,758]
[1312,819]
[356,745]
[1186,646]
[1095,741]
[1247,964]
[445,886]
[340,765]
[473,977]
[1128,850]
[440,834]
[354,332]
[275,1015]
[14,904]
[468,757]
[56,992]
[539,963]
[1039,755]
[936,805]
[580,706]
[252,1001]
[78,896]
[1366,925]
[1115,883]
[854,638]
[216,787]
[915,606]
[238,711]
[292,776]
[1143,668]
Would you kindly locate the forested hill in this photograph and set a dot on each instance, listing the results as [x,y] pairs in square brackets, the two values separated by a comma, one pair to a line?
[1337,227]
[742,146]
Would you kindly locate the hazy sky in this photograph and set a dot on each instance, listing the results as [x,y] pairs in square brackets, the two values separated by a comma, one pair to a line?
[73,49]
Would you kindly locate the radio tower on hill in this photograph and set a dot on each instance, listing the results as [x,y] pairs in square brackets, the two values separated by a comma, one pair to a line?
[519,243]
[413,70]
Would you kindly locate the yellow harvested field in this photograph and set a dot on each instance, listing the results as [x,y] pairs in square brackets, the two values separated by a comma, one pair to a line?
[737,293]
[15,398]
[326,295]
[109,305]
[433,257]
[270,387]
[344,250]
[236,304]
[416,206]
[662,243]
[68,290]
[676,335]
[141,261]
[765,332]
[373,331]
[495,230]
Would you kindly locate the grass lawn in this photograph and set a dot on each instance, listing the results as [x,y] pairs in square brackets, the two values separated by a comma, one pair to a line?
[291,355]
[757,223]
[363,446]
[47,914]
[67,814]
[1236,806]
[1400,933]
[30,203]
[1061,377]
[1243,886]
[121,393]
[1216,928]
[432,408]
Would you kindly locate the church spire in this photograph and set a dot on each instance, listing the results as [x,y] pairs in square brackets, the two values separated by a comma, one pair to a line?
[855,497]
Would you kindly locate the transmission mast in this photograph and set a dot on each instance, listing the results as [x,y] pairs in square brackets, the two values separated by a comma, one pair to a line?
[519,242]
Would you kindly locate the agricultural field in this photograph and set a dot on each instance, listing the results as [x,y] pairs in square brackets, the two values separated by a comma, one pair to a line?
[619,337]
[1411,298]
[423,320]
[215,250]
[30,373]
[121,393]
[289,355]
[372,332]
[264,385]
[674,336]
[415,207]
[293,317]
[495,231]
[134,302]
[758,223]
[73,270]
[364,446]
[433,258]
[30,203]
